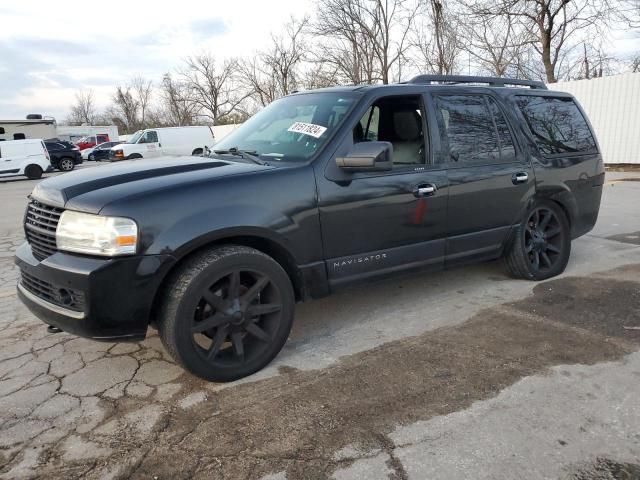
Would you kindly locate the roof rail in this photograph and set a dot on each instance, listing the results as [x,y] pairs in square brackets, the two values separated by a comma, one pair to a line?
[488,81]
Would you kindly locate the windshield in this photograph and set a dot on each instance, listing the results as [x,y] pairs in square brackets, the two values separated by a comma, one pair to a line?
[135,137]
[293,128]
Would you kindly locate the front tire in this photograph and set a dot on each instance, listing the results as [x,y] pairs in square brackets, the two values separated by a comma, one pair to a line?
[92,157]
[33,172]
[227,313]
[66,164]
[541,245]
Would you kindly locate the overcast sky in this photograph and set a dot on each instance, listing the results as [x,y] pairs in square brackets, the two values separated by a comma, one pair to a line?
[48,50]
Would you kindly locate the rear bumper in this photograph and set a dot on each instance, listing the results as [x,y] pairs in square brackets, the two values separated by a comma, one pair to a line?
[116,294]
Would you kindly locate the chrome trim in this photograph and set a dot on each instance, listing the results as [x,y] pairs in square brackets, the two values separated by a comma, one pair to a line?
[50,306]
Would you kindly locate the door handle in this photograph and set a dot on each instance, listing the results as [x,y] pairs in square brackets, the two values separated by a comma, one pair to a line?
[425,190]
[520,177]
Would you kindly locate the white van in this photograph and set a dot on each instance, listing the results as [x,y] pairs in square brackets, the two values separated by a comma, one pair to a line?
[156,142]
[24,157]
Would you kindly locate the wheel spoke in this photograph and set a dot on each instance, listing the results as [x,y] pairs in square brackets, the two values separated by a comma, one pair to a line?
[234,285]
[216,343]
[545,220]
[258,332]
[545,258]
[210,322]
[552,232]
[263,309]
[238,346]
[216,301]
[536,260]
[552,248]
[253,292]
[536,218]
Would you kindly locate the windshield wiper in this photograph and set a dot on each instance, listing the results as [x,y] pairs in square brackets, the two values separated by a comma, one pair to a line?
[244,154]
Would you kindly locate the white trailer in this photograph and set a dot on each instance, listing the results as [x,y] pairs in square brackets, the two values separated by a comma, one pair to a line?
[29,128]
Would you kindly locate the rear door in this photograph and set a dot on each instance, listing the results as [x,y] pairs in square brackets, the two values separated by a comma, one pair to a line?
[490,179]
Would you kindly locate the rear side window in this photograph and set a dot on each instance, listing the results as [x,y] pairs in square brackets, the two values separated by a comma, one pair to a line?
[467,129]
[557,124]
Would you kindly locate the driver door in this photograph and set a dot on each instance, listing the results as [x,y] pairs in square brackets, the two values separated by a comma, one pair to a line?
[150,144]
[375,223]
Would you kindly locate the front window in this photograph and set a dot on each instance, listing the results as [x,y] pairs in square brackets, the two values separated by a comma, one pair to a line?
[135,137]
[293,128]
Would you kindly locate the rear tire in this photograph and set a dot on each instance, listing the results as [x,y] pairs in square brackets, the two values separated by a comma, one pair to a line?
[66,164]
[33,172]
[134,156]
[227,312]
[541,245]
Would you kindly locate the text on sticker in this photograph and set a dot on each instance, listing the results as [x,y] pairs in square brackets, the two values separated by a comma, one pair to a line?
[315,131]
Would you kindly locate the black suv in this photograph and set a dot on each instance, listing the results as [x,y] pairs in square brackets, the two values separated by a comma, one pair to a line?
[319,190]
[64,155]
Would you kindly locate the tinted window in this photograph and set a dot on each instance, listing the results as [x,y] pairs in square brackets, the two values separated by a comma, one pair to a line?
[19,136]
[397,120]
[507,149]
[467,129]
[557,124]
[1,130]
[53,146]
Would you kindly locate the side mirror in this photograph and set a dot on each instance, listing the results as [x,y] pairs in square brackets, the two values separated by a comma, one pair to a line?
[367,157]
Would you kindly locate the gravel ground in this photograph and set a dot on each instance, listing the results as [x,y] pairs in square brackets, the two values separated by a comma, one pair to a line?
[460,374]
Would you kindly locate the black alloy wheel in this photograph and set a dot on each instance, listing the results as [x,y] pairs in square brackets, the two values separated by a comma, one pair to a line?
[226,312]
[236,318]
[540,246]
[543,239]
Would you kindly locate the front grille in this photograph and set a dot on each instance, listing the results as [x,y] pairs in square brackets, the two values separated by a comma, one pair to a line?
[63,297]
[40,224]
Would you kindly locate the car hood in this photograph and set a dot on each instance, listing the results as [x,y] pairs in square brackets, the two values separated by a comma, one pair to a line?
[90,189]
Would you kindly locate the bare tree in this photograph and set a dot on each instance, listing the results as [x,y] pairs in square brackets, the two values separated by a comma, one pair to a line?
[366,29]
[143,91]
[635,63]
[214,86]
[126,107]
[84,109]
[497,43]
[286,54]
[436,36]
[559,25]
[177,102]
[277,71]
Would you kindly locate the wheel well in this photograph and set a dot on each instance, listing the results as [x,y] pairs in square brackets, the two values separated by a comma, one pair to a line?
[269,247]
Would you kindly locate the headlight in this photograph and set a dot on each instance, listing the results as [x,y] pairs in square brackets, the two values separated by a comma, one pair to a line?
[96,234]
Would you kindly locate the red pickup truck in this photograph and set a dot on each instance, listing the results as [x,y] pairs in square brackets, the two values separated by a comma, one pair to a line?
[92,140]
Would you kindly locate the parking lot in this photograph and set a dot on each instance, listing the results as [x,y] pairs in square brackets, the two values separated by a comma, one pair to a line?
[460,374]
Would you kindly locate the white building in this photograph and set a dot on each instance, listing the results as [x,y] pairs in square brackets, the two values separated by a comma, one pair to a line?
[613,106]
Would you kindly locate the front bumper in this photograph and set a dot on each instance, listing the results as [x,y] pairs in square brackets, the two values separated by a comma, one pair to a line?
[117,293]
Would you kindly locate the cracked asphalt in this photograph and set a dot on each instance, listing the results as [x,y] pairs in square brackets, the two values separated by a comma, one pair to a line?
[460,374]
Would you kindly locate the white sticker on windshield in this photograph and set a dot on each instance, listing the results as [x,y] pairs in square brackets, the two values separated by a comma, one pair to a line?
[315,131]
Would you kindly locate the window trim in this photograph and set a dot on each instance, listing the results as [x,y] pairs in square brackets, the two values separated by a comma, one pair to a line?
[532,137]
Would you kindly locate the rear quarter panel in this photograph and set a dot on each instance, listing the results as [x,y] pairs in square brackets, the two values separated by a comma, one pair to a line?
[573,180]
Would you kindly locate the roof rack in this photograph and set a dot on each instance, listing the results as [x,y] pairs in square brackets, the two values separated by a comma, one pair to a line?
[485,81]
